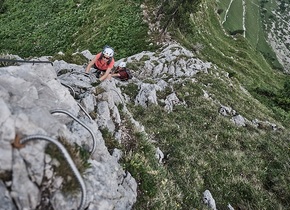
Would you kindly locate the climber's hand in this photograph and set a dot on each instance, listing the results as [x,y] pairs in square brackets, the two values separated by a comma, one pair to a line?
[96,83]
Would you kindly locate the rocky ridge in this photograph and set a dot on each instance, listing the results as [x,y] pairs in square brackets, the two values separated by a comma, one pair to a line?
[278,33]
[59,100]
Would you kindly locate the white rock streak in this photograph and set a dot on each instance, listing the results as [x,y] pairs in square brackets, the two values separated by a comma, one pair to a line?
[226,15]
[244,18]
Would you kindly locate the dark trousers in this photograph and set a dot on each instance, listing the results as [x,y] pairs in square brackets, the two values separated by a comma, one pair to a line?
[98,72]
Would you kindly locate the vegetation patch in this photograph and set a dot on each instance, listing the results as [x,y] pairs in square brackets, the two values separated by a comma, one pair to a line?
[70,26]
[70,57]
[110,141]
[209,152]
[80,157]
[248,20]
[131,90]
[6,176]
[7,60]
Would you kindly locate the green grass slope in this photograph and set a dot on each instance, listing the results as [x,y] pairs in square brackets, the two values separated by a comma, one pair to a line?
[246,17]
[233,16]
[244,166]
[235,55]
[35,28]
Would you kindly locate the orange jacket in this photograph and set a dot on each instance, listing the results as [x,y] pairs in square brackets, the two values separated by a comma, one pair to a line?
[103,64]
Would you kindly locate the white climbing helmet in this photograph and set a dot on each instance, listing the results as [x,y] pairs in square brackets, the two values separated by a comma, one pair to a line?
[109,52]
[122,65]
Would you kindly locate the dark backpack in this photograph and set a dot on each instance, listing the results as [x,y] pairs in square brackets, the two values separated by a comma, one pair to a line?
[128,74]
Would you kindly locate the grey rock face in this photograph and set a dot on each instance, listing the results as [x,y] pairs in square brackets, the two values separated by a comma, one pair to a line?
[28,94]
[5,197]
[209,200]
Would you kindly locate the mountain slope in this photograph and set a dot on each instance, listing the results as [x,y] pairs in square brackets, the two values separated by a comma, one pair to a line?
[212,133]
[206,150]
[198,103]
[277,28]
[263,23]
[235,55]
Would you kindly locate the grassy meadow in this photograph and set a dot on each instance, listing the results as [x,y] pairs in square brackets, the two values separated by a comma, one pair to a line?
[249,20]
[35,28]
[233,16]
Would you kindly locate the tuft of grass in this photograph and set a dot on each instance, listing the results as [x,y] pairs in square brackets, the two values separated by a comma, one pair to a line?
[70,57]
[99,90]
[79,156]
[145,58]
[7,63]
[6,176]
[131,90]
[135,65]
[110,141]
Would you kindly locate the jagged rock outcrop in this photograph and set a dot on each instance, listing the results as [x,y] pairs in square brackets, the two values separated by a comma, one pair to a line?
[209,200]
[278,33]
[28,94]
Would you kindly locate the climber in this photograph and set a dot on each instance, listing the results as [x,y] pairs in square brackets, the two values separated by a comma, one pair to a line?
[103,62]
[121,72]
